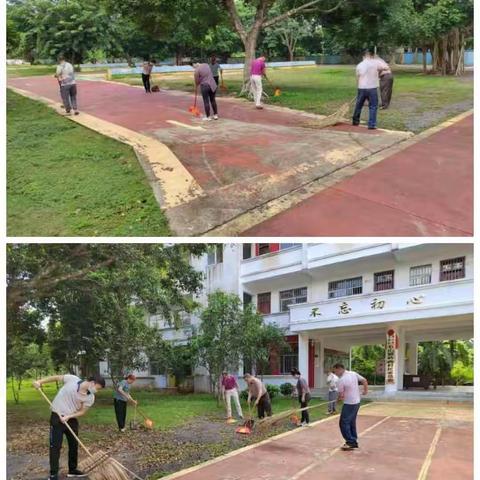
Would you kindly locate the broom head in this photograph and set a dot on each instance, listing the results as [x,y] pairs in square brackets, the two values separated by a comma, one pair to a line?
[223,88]
[194,110]
[101,467]
[231,420]
[148,424]
[246,428]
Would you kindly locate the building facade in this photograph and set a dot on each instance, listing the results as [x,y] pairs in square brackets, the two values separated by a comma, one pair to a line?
[332,297]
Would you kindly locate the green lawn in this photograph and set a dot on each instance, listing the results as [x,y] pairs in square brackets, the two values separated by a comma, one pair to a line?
[66,180]
[14,71]
[166,410]
[419,101]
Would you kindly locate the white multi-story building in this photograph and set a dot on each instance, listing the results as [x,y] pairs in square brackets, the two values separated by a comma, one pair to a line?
[332,297]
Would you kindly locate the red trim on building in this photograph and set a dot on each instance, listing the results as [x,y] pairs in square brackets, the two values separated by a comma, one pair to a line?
[311,364]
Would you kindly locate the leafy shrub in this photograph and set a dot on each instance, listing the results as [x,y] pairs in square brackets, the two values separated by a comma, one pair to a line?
[244,394]
[286,389]
[273,391]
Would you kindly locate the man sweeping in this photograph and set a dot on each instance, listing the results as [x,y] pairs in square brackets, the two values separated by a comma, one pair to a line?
[303,392]
[257,71]
[72,401]
[120,399]
[258,393]
[204,79]
[349,392]
[368,82]
[65,74]
[230,390]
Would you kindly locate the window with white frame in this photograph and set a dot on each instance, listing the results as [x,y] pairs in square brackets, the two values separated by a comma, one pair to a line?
[420,275]
[215,255]
[345,288]
[452,269]
[291,297]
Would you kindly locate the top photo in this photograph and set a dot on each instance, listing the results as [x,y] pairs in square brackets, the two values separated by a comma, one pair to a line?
[239,118]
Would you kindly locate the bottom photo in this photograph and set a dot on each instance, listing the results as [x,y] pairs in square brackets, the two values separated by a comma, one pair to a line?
[240,361]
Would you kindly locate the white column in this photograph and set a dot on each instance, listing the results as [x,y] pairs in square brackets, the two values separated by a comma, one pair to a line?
[412,361]
[401,358]
[303,354]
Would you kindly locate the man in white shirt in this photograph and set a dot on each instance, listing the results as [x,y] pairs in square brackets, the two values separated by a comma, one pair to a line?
[65,74]
[349,392]
[332,381]
[72,401]
[368,82]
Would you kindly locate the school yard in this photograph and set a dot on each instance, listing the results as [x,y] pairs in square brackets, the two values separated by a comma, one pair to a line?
[188,429]
[407,441]
[249,167]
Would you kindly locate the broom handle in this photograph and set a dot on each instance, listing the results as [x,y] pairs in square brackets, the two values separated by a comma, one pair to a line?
[66,424]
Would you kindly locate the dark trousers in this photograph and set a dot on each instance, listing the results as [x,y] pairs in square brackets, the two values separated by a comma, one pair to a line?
[264,406]
[217,78]
[209,98]
[305,414]
[57,430]
[348,423]
[69,96]
[120,412]
[371,95]
[146,82]
[386,88]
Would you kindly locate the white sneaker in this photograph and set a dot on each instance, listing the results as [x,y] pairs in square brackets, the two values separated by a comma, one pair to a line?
[206,119]
[215,117]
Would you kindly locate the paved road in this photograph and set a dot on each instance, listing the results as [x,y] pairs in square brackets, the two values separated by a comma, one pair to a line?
[236,164]
[424,190]
[420,441]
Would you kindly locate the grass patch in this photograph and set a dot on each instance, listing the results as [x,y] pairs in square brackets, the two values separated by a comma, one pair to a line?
[166,411]
[66,180]
[16,71]
[419,101]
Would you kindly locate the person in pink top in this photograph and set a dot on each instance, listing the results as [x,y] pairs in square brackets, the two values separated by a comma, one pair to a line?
[257,71]
[229,391]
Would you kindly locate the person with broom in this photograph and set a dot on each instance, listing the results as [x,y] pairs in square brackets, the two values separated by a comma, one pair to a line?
[230,390]
[204,79]
[303,392]
[216,69]
[120,399]
[72,401]
[258,393]
[65,74]
[332,381]
[349,392]
[257,71]
[386,84]
[368,83]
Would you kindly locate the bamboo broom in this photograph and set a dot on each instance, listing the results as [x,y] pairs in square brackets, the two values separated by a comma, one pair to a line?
[333,119]
[98,465]
[269,421]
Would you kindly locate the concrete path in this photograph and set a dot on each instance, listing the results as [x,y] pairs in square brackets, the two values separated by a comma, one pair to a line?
[423,190]
[398,441]
[212,173]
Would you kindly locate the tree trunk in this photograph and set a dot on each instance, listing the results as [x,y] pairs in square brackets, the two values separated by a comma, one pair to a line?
[250,46]
[424,58]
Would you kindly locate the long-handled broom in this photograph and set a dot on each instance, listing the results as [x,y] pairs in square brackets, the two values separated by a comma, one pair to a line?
[269,421]
[147,422]
[194,109]
[98,465]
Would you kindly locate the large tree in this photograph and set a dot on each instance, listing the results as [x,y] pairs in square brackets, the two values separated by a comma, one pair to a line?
[267,13]
[92,295]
